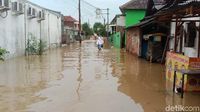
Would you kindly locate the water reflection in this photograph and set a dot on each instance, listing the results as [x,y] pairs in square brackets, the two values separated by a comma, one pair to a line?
[80,79]
[21,78]
[88,85]
[145,83]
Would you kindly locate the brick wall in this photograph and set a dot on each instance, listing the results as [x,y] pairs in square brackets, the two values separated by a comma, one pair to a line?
[133,41]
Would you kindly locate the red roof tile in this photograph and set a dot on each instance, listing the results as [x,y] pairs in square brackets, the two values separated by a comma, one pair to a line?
[69,19]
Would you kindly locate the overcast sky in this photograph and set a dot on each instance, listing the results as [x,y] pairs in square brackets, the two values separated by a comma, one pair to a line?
[70,7]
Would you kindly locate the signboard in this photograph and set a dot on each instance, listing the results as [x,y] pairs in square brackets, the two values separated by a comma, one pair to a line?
[178,61]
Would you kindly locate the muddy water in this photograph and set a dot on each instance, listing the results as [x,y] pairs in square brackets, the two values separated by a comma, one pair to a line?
[81,79]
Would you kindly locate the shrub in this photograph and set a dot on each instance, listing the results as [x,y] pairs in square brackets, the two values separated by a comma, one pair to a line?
[2,53]
[34,46]
[41,46]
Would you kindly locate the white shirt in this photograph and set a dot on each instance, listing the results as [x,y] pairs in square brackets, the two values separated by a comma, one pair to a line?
[100,41]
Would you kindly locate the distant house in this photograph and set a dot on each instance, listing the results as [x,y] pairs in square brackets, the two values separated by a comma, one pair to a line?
[70,29]
[117,26]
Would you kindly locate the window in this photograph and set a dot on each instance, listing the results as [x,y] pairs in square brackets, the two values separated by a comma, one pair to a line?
[20,7]
[34,12]
[4,3]
[14,6]
[1,3]
[40,14]
[29,11]
[190,35]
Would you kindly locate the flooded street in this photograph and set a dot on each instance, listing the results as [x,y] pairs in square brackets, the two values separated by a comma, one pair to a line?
[82,79]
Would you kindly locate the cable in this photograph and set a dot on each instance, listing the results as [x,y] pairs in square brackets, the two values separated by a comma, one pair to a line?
[89,11]
[89,4]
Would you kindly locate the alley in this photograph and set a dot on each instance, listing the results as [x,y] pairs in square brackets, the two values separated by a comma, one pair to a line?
[82,79]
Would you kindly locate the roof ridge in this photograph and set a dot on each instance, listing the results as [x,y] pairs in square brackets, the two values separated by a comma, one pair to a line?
[134,4]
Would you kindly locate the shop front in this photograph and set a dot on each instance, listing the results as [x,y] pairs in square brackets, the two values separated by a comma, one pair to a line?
[183,54]
[180,62]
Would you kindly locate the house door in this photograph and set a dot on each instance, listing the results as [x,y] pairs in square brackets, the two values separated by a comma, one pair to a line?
[144,48]
[123,40]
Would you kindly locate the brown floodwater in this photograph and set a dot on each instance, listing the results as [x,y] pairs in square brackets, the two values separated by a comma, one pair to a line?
[82,79]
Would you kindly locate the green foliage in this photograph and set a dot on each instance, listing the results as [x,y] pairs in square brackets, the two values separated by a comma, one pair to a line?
[99,29]
[35,46]
[42,45]
[2,53]
[86,28]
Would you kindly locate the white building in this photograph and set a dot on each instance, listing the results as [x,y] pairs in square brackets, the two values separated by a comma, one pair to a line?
[19,19]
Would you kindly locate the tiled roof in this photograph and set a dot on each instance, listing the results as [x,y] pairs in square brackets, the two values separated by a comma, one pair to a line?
[69,19]
[135,4]
[140,4]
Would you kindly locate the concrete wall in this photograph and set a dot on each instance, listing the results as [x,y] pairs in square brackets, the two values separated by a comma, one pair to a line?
[117,40]
[16,29]
[133,41]
[188,51]
[121,21]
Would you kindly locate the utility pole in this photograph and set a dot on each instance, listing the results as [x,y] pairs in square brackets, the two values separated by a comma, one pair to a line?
[99,12]
[79,11]
[107,22]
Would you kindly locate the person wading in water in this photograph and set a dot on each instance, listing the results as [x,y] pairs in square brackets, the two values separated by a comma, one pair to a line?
[100,42]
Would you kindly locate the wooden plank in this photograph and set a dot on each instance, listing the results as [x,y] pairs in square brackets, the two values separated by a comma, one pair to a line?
[175,37]
[186,21]
[199,42]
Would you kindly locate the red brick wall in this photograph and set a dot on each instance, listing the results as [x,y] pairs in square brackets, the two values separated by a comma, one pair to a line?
[132,41]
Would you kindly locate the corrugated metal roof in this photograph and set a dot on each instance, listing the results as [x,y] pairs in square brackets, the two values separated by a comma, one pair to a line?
[179,4]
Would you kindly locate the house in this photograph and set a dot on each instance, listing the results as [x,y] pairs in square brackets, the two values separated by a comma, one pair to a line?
[147,39]
[21,20]
[71,28]
[184,42]
[134,11]
[118,31]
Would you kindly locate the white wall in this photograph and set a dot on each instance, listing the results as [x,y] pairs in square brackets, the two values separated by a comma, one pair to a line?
[121,21]
[171,44]
[12,34]
[16,29]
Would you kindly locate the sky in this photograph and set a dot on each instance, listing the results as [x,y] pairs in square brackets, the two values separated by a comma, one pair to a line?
[70,7]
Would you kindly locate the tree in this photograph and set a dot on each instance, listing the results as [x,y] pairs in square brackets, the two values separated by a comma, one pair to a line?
[87,30]
[99,29]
